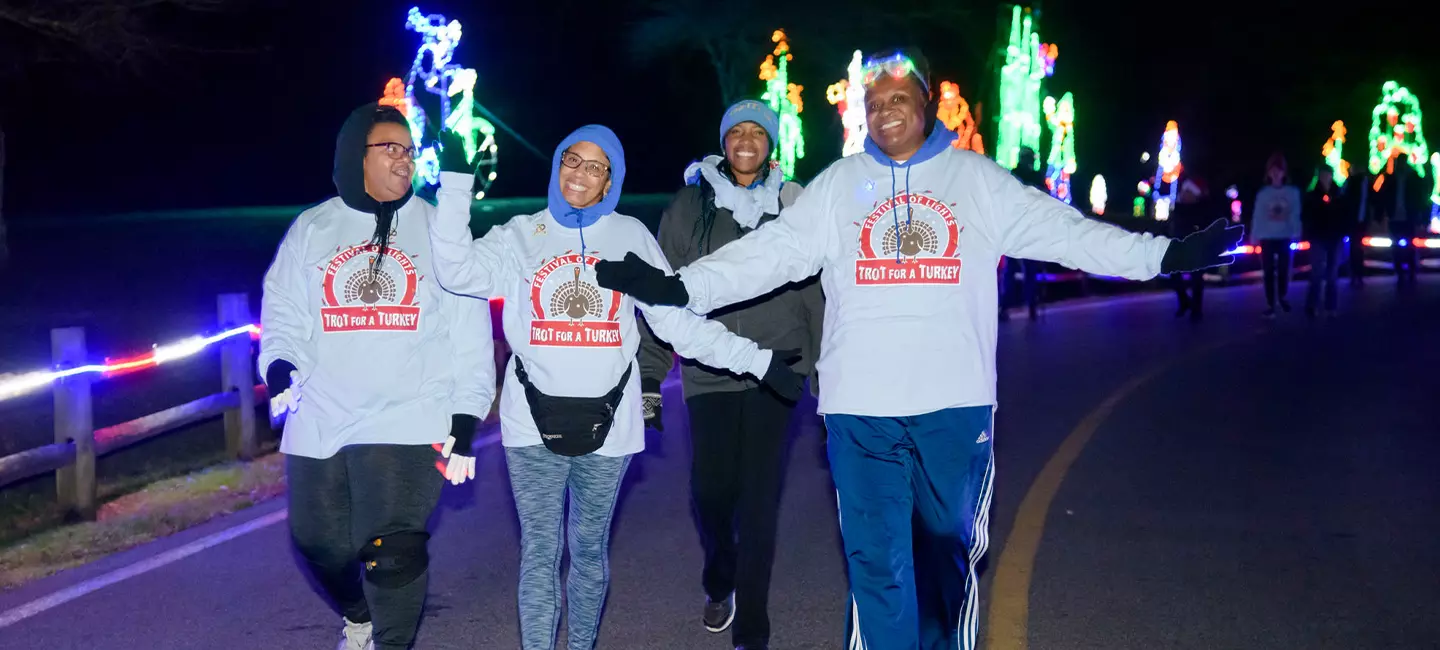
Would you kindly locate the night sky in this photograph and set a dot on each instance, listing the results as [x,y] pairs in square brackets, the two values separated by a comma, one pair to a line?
[256,126]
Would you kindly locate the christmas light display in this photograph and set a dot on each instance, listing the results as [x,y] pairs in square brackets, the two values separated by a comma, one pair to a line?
[1027,63]
[453,90]
[1061,117]
[1167,171]
[1236,208]
[784,99]
[1332,152]
[1396,129]
[13,385]
[848,96]
[1098,195]
[954,112]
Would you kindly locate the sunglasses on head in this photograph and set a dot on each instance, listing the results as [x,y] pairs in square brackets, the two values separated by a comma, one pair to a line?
[895,65]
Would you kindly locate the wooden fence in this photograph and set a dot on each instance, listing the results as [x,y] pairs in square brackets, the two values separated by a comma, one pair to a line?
[78,443]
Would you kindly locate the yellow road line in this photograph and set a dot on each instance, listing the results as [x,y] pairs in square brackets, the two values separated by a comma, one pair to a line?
[1007,622]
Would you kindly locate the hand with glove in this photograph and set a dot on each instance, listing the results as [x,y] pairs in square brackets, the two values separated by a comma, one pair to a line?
[781,378]
[282,382]
[650,402]
[1204,249]
[459,449]
[453,157]
[642,282]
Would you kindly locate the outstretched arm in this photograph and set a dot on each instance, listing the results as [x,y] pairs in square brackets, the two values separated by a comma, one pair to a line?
[463,264]
[1031,224]
[701,339]
[788,249]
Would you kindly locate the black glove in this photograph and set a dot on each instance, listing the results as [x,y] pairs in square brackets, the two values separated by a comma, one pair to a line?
[781,379]
[277,376]
[279,380]
[1203,249]
[651,402]
[642,281]
[458,448]
[452,154]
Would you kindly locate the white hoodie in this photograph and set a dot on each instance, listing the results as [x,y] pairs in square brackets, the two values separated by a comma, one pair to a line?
[916,334]
[575,338]
[379,363]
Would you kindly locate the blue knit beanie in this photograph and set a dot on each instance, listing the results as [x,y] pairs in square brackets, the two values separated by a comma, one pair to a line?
[750,110]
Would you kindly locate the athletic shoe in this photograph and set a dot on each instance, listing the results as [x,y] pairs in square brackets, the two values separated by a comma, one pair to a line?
[718,616]
[358,636]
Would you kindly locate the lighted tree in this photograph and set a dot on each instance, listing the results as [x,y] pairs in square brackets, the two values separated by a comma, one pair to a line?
[954,112]
[1397,129]
[1098,195]
[848,97]
[784,99]
[450,92]
[1027,63]
[1062,163]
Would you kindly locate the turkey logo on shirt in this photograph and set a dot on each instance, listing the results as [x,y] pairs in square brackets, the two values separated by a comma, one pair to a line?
[922,250]
[359,298]
[570,310]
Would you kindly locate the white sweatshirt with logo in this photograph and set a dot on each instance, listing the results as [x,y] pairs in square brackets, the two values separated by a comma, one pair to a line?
[382,359]
[575,338]
[910,320]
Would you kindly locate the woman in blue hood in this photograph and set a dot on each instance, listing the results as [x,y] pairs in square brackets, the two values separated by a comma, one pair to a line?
[570,410]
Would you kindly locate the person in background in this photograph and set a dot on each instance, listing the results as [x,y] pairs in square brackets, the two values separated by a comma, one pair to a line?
[1026,172]
[910,440]
[370,362]
[1326,220]
[570,410]
[1274,226]
[737,427]
[1404,198]
[1194,209]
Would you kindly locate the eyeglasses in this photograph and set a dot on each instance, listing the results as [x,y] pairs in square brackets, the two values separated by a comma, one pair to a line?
[896,65]
[593,168]
[396,150]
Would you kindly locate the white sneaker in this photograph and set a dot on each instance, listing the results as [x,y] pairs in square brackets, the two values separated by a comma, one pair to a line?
[358,636]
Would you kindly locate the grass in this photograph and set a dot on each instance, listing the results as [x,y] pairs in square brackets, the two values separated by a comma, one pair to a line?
[156,510]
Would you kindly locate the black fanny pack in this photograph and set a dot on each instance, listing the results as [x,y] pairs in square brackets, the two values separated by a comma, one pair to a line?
[572,426]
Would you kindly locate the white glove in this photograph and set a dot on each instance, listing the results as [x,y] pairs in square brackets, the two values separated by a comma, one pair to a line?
[460,467]
[287,402]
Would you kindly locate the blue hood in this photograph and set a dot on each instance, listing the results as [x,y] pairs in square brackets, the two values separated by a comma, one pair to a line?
[572,217]
[939,139]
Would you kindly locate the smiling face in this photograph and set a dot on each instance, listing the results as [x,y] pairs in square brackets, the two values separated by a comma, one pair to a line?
[387,175]
[895,115]
[588,182]
[746,147]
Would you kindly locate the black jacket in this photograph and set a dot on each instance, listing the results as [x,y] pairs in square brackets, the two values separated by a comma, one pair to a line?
[1324,215]
[787,318]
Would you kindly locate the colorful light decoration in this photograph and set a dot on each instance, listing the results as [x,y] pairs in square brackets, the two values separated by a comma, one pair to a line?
[1167,171]
[784,99]
[954,112]
[1332,152]
[848,96]
[1396,129]
[1027,63]
[14,385]
[1098,195]
[1236,208]
[1061,117]
[454,87]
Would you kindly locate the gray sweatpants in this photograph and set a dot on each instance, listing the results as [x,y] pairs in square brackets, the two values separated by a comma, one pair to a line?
[539,480]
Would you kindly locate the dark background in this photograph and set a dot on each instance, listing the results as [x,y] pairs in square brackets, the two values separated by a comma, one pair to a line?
[250,119]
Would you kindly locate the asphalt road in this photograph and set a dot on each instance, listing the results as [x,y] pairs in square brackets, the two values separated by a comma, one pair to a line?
[1262,485]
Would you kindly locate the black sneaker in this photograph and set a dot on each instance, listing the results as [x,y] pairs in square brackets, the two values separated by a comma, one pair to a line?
[1268,313]
[718,616]
[752,646]
[1285,306]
